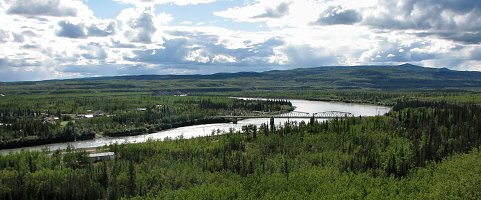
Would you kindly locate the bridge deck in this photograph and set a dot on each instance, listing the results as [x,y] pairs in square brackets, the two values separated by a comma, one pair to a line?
[294,114]
[276,116]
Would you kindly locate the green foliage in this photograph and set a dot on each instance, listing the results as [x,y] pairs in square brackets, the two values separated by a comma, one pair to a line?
[27,108]
[402,77]
[420,150]
[25,118]
[423,149]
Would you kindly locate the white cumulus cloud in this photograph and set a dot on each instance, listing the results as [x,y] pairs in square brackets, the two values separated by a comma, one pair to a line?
[140,24]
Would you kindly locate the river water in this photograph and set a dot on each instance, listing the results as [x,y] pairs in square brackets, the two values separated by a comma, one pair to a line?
[207,129]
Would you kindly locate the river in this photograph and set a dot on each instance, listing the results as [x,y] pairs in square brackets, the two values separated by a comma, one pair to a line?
[207,129]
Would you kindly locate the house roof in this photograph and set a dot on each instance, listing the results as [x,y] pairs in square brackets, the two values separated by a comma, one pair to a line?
[102,154]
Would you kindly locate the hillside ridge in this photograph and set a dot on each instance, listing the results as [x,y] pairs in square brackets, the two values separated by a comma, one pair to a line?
[405,76]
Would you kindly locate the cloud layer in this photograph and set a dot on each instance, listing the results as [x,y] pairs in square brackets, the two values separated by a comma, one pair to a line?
[64,39]
[337,15]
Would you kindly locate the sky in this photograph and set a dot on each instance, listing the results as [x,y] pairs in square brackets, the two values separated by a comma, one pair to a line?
[60,39]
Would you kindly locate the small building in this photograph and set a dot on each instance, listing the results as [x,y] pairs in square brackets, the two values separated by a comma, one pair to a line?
[102,156]
[49,120]
[98,113]
[141,109]
[82,116]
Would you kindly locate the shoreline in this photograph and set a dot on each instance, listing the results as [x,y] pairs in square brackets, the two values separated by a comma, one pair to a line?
[100,136]
[105,140]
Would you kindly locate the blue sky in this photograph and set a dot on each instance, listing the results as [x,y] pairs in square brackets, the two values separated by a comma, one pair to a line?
[58,39]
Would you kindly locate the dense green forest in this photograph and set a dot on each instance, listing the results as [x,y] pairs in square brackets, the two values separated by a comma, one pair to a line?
[33,113]
[419,150]
[39,119]
[401,77]
[426,147]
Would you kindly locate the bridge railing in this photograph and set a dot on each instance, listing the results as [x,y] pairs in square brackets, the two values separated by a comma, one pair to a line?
[294,114]
[332,114]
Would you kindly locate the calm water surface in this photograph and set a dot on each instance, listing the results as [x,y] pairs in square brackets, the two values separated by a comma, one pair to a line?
[207,129]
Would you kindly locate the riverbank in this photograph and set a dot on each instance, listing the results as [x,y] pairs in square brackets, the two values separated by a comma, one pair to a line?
[208,129]
[141,131]
[30,120]
[368,157]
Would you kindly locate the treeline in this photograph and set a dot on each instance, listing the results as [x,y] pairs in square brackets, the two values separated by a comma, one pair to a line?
[438,129]
[26,122]
[383,97]
[420,150]
[31,131]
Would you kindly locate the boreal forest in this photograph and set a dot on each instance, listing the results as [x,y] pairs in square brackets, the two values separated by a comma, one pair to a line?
[426,147]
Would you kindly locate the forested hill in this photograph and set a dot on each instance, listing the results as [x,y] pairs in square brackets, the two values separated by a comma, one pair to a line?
[334,77]
[382,77]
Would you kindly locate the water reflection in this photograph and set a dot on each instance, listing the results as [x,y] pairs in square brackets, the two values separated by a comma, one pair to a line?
[207,129]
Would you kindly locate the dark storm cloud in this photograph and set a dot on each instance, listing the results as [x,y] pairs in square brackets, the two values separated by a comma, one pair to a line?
[280,11]
[453,20]
[425,14]
[336,15]
[40,8]
[465,37]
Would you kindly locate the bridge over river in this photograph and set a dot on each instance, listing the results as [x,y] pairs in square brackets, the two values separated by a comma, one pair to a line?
[289,115]
[315,108]
[294,114]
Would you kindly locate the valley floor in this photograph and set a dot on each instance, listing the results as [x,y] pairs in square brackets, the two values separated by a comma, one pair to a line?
[420,150]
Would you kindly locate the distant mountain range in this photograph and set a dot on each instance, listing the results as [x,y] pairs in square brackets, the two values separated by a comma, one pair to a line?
[404,76]
[382,77]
